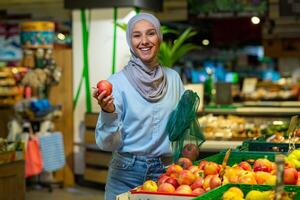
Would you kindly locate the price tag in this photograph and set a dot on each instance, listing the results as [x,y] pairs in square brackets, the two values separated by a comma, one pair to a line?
[249,85]
[279,187]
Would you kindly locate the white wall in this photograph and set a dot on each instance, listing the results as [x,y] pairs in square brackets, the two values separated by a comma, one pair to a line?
[100,63]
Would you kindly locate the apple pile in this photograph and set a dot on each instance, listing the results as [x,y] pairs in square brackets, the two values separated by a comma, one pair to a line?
[262,172]
[185,178]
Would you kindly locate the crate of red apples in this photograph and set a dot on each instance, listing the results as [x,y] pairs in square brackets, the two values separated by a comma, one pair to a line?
[187,180]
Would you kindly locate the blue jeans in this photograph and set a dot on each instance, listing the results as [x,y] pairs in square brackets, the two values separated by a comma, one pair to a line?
[127,171]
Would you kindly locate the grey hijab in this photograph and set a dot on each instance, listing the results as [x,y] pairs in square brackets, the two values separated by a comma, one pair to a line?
[150,83]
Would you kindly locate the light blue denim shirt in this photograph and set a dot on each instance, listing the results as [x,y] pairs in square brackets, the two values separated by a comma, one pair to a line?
[138,126]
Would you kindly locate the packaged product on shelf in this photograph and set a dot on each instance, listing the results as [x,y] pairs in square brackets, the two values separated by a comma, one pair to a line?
[38,34]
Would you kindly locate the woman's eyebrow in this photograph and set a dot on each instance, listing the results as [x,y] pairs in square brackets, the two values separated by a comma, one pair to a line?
[152,29]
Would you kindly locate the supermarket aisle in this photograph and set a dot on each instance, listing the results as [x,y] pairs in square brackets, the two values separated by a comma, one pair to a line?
[76,193]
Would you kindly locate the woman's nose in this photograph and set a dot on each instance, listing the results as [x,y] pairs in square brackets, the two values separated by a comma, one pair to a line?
[145,40]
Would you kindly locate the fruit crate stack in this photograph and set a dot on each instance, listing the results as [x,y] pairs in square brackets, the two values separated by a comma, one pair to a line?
[186,180]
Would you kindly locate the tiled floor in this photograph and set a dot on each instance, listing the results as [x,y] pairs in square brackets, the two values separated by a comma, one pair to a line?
[75,193]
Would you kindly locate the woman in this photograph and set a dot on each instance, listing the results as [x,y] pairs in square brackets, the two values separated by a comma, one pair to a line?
[133,119]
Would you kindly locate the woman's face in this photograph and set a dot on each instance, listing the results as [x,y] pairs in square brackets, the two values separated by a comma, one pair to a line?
[145,41]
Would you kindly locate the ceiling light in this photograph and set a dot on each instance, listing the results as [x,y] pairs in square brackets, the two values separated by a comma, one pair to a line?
[255,20]
[205,42]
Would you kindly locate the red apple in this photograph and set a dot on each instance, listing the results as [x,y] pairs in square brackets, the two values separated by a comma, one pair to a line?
[166,187]
[198,183]
[198,191]
[262,164]
[184,189]
[190,151]
[149,186]
[185,177]
[193,168]
[290,176]
[185,163]
[104,85]
[162,178]
[245,166]
[199,173]
[247,178]
[202,164]
[211,168]
[172,181]
[215,181]
[173,170]
[206,182]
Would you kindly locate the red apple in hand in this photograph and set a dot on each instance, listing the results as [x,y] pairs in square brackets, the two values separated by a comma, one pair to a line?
[104,85]
[190,151]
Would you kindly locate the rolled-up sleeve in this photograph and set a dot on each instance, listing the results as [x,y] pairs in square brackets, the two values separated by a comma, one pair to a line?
[108,135]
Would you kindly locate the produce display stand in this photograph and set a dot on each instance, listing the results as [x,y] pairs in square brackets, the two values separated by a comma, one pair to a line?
[239,156]
[257,145]
[217,193]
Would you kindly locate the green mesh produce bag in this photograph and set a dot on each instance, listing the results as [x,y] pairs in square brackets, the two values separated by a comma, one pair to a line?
[183,124]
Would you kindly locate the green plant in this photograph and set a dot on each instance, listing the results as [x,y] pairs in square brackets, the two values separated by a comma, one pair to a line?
[171,51]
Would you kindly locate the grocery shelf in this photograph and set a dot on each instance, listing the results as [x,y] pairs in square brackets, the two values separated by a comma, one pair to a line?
[219,145]
[254,111]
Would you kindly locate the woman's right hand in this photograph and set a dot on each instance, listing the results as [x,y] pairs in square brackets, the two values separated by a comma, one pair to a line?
[106,103]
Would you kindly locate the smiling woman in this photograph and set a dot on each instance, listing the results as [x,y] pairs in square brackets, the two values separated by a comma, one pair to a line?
[143,97]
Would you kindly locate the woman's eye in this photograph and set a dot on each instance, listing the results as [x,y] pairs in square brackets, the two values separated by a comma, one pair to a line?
[136,36]
[152,33]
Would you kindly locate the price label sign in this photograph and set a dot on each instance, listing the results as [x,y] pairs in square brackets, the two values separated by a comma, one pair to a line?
[249,85]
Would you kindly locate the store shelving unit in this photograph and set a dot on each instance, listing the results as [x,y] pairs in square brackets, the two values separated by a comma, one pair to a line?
[256,112]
